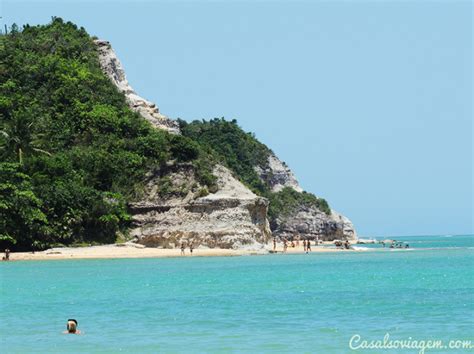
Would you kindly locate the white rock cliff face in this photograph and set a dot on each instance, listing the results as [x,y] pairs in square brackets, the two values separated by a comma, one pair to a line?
[233,217]
[313,224]
[307,222]
[278,175]
[346,226]
[112,67]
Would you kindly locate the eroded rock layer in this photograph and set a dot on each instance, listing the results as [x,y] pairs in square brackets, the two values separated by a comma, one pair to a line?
[311,223]
[233,217]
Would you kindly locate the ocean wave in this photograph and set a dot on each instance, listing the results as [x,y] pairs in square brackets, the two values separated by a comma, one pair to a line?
[358,248]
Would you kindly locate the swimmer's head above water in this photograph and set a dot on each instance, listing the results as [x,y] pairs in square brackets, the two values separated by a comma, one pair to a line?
[71,326]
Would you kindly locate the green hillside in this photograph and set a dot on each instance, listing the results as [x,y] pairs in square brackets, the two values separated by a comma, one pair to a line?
[72,151]
[72,154]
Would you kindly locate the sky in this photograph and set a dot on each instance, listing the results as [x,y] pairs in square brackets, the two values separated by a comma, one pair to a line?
[368,102]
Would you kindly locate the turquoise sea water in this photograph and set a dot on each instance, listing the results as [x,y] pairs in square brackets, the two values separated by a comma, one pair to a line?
[275,303]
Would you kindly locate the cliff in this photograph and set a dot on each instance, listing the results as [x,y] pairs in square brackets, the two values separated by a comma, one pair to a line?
[112,67]
[277,175]
[292,211]
[224,218]
[305,220]
[232,217]
[311,223]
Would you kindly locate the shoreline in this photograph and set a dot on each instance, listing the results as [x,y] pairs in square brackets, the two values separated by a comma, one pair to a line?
[129,250]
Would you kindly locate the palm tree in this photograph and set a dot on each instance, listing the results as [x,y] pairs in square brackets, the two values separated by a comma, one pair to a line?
[19,139]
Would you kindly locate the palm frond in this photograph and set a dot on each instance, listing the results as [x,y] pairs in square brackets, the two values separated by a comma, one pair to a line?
[42,151]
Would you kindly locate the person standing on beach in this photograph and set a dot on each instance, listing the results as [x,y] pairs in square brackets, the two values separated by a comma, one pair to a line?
[308,246]
[285,245]
[7,255]
[274,244]
[191,247]
[182,248]
[304,245]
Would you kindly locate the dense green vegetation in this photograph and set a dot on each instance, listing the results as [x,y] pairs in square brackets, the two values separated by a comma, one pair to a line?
[238,150]
[284,202]
[20,208]
[72,152]
[241,152]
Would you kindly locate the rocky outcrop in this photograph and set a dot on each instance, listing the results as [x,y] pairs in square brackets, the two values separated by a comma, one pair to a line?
[347,229]
[112,67]
[308,222]
[311,223]
[233,217]
[277,175]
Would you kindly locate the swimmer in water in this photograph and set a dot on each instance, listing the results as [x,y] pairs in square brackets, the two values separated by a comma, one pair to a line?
[71,327]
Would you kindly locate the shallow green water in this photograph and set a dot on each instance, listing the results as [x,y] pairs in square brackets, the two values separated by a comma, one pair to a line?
[275,303]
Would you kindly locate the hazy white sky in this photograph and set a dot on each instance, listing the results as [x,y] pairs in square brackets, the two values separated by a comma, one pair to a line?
[370,103]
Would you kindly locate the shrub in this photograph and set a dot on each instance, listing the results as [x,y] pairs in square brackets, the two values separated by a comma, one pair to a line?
[202,192]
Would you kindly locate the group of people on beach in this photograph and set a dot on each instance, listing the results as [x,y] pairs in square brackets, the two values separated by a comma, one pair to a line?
[293,244]
[183,248]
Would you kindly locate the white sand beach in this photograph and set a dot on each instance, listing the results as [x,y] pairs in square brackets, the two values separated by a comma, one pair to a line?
[130,250]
